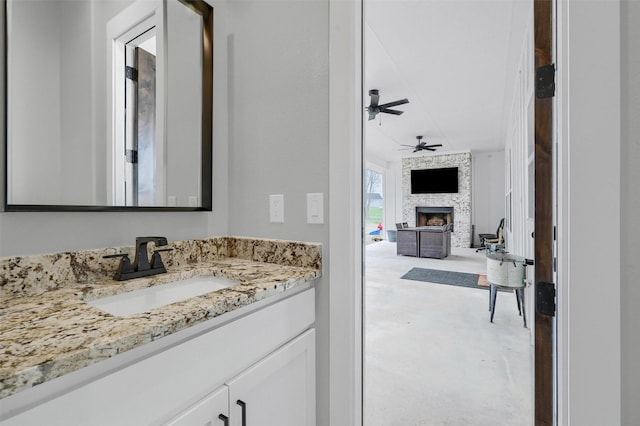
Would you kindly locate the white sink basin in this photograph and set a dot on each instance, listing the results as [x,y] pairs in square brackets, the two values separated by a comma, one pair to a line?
[138,301]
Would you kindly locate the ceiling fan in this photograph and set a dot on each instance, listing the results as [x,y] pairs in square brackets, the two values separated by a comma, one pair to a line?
[374,108]
[422,146]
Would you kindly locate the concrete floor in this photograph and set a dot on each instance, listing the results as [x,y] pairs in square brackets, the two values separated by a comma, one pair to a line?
[431,355]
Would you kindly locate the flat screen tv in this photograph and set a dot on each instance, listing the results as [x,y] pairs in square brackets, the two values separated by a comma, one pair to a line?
[434,181]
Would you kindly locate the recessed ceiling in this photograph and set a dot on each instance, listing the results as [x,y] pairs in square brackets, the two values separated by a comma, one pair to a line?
[457,63]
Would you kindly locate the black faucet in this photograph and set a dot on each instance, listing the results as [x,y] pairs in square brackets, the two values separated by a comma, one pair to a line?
[141,266]
[141,261]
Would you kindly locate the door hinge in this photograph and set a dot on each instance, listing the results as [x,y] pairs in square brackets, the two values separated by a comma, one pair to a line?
[132,156]
[131,73]
[546,298]
[546,81]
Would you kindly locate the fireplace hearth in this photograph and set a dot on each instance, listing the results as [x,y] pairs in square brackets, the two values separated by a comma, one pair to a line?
[434,216]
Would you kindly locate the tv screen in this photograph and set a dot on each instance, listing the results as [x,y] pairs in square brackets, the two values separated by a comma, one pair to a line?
[434,181]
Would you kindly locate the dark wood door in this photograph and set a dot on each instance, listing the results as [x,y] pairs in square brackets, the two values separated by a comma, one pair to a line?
[147,143]
[544,218]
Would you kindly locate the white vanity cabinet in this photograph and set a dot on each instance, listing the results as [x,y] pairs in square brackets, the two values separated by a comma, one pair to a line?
[212,410]
[277,391]
[264,357]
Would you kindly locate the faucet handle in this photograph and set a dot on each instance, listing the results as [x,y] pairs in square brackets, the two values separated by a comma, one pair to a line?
[164,249]
[125,266]
[110,256]
[156,259]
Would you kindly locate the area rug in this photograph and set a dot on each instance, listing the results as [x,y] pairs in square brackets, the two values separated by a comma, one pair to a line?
[437,276]
[482,280]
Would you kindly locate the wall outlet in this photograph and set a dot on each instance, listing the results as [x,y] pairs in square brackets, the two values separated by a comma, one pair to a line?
[276,208]
[315,208]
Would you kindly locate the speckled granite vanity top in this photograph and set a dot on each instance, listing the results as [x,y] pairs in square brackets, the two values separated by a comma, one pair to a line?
[47,330]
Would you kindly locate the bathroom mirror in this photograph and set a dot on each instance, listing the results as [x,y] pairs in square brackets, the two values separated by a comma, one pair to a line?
[108,104]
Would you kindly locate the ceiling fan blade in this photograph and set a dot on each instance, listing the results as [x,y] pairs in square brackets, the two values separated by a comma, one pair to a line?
[435,146]
[429,149]
[395,103]
[391,111]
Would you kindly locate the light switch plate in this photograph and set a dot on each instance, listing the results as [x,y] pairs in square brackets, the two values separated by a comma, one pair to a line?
[315,208]
[276,208]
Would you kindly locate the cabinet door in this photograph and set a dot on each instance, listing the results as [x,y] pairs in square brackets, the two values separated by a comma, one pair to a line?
[212,410]
[279,390]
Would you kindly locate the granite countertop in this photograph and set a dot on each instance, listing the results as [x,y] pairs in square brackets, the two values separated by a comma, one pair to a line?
[47,330]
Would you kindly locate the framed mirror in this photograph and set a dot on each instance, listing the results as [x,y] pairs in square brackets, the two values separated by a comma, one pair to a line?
[108,105]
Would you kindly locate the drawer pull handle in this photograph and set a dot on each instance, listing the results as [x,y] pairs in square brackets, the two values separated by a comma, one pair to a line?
[224,419]
[244,411]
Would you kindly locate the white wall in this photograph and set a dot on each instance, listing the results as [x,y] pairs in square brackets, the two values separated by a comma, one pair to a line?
[487,192]
[589,321]
[183,124]
[60,150]
[77,137]
[35,171]
[630,211]
[279,129]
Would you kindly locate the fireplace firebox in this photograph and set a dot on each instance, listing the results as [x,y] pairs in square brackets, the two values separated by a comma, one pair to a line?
[434,216]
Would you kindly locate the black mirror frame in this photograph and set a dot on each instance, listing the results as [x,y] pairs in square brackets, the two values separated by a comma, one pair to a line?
[206,11]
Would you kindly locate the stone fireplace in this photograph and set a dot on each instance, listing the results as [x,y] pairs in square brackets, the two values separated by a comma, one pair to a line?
[458,204]
[434,216]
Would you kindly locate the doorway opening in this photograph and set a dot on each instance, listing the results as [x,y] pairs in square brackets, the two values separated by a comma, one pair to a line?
[140,120]
[431,356]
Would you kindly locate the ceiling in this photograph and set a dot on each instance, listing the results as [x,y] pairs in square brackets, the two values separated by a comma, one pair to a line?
[457,63]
